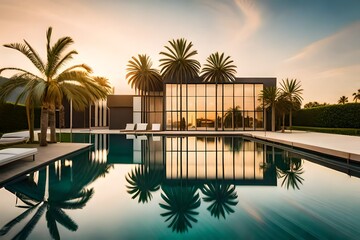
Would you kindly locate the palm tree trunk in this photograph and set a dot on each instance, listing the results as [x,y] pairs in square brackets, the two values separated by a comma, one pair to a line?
[216,109]
[30,119]
[290,119]
[273,118]
[283,122]
[52,123]
[44,125]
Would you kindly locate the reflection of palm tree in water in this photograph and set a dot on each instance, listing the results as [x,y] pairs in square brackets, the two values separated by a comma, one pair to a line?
[233,115]
[180,205]
[62,194]
[142,182]
[291,173]
[222,197]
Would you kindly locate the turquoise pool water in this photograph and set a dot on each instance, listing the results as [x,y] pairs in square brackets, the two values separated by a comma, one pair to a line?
[183,188]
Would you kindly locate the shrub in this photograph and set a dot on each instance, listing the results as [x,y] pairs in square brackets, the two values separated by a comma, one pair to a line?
[331,116]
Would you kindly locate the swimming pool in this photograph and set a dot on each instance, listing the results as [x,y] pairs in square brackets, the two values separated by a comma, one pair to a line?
[147,187]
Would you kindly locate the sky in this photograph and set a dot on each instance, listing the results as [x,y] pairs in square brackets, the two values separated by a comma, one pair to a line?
[316,42]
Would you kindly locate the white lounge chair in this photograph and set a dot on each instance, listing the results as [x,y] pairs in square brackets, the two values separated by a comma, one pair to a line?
[12,154]
[13,138]
[155,127]
[141,126]
[129,127]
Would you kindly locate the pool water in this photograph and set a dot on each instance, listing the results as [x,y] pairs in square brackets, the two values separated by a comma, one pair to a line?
[146,187]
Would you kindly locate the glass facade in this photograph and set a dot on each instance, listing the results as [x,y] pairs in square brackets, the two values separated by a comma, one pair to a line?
[148,109]
[207,106]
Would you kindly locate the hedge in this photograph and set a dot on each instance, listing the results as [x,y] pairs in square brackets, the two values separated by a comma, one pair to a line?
[13,118]
[344,131]
[330,116]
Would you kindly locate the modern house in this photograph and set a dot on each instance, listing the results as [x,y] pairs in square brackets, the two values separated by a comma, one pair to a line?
[195,106]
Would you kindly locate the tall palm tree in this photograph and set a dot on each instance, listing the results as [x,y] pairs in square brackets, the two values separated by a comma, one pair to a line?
[178,64]
[218,69]
[356,95]
[269,96]
[292,91]
[143,77]
[53,84]
[283,106]
[343,100]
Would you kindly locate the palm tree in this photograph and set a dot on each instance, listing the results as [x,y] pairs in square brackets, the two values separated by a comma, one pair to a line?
[218,69]
[291,89]
[179,65]
[143,77]
[222,197]
[343,100]
[269,96]
[53,84]
[356,95]
[180,205]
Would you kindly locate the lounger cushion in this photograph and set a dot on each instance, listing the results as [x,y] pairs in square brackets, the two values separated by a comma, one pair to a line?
[12,154]
[141,126]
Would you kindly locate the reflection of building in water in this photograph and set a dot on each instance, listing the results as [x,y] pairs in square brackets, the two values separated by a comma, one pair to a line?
[217,158]
[101,147]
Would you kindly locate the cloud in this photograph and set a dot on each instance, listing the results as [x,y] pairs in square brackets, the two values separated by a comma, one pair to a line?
[329,67]
[252,20]
[340,48]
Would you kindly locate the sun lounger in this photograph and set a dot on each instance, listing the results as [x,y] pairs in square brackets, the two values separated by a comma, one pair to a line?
[141,126]
[12,154]
[155,127]
[129,127]
[13,138]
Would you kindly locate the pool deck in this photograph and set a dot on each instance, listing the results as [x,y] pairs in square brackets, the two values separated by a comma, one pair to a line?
[45,155]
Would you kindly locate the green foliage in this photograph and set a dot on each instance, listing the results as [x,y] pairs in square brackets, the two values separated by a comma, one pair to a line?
[343,131]
[332,116]
[13,118]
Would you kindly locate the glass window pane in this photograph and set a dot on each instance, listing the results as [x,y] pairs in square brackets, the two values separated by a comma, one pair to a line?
[174,90]
[259,120]
[158,104]
[200,90]
[168,89]
[192,121]
[174,103]
[228,119]
[239,103]
[239,88]
[219,90]
[191,90]
[168,121]
[168,103]
[249,120]
[238,120]
[210,103]
[210,90]
[183,90]
[219,120]
[175,124]
[191,104]
[200,121]
[200,103]
[228,90]
[228,103]
[249,103]
[258,89]
[249,90]
[210,120]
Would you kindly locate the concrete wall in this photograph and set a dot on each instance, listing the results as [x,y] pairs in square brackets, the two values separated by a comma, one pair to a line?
[121,110]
